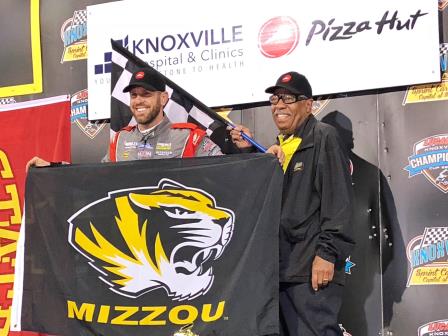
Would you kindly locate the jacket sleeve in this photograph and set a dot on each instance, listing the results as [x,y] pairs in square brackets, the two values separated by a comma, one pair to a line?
[333,182]
[207,148]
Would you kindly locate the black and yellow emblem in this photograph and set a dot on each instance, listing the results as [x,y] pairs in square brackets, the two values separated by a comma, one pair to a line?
[143,239]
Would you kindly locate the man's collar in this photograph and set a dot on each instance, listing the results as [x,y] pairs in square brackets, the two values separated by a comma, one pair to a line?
[148,130]
[305,132]
[157,129]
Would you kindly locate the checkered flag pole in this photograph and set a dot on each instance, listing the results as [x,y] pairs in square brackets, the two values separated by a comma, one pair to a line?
[182,106]
[433,235]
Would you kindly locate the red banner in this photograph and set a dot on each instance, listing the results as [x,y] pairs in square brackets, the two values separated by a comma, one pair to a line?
[37,128]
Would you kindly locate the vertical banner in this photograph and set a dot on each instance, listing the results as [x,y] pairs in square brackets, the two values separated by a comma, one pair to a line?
[415,160]
[41,128]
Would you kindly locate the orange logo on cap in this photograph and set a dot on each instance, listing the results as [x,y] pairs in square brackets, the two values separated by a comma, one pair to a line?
[139,75]
[286,78]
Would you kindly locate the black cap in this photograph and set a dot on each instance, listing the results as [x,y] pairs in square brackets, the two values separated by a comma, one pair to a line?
[147,79]
[293,82]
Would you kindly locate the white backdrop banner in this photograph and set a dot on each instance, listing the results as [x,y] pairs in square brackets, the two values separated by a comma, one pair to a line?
[227,53]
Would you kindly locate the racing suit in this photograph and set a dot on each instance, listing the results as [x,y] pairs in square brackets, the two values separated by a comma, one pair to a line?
[164,141]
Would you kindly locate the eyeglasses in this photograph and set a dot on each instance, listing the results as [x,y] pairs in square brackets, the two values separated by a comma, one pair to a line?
[286,98]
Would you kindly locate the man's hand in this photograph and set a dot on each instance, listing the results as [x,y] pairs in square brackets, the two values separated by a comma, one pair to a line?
[238,139]
[36,162]
[322,273]
[278,152]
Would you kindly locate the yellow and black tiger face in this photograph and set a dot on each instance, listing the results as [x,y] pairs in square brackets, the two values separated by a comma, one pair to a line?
[162,237]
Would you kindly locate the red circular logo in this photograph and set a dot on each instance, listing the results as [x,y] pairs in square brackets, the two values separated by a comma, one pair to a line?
[286,78]
[139,75]
[279,36]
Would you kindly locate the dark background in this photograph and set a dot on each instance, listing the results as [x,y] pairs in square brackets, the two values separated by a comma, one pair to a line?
[378,132]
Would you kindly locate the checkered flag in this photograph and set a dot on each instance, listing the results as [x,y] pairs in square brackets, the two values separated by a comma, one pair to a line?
[434,235]
[79,17]
[182,106]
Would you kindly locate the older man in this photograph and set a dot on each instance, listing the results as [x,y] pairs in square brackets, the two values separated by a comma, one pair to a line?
[315,230]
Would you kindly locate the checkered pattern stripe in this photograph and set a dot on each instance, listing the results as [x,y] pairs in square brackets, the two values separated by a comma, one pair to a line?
[434,235]
[79,17]
[181,108]
[5,101]
[443,48]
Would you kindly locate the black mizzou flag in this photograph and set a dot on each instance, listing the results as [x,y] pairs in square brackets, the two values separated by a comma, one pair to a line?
[147,247]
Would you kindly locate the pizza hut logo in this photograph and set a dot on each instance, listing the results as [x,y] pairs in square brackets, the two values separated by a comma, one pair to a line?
[139,75]
[278,37]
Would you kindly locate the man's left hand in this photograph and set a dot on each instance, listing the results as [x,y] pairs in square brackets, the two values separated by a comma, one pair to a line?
[322,273]
[278,152]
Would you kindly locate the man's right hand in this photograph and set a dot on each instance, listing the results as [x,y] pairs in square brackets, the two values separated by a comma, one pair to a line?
[36,162]
[238,139]
[322,272]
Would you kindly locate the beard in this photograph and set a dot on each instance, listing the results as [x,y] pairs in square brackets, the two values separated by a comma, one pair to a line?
[149,116]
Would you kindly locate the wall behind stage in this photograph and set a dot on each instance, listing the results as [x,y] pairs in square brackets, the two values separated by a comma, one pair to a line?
[397,140]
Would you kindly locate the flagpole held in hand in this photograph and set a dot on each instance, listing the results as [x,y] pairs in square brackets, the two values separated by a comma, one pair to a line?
[248,138]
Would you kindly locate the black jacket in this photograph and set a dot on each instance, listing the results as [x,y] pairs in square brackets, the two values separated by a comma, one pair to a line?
[317,205]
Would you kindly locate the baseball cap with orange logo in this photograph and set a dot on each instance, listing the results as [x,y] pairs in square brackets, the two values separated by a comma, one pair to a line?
[146,78]
[294,83]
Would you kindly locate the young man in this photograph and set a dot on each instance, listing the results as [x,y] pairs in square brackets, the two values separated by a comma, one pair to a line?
[153,137]
[315,229]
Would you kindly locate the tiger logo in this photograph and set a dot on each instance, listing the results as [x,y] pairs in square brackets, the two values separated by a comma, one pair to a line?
[143,239]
